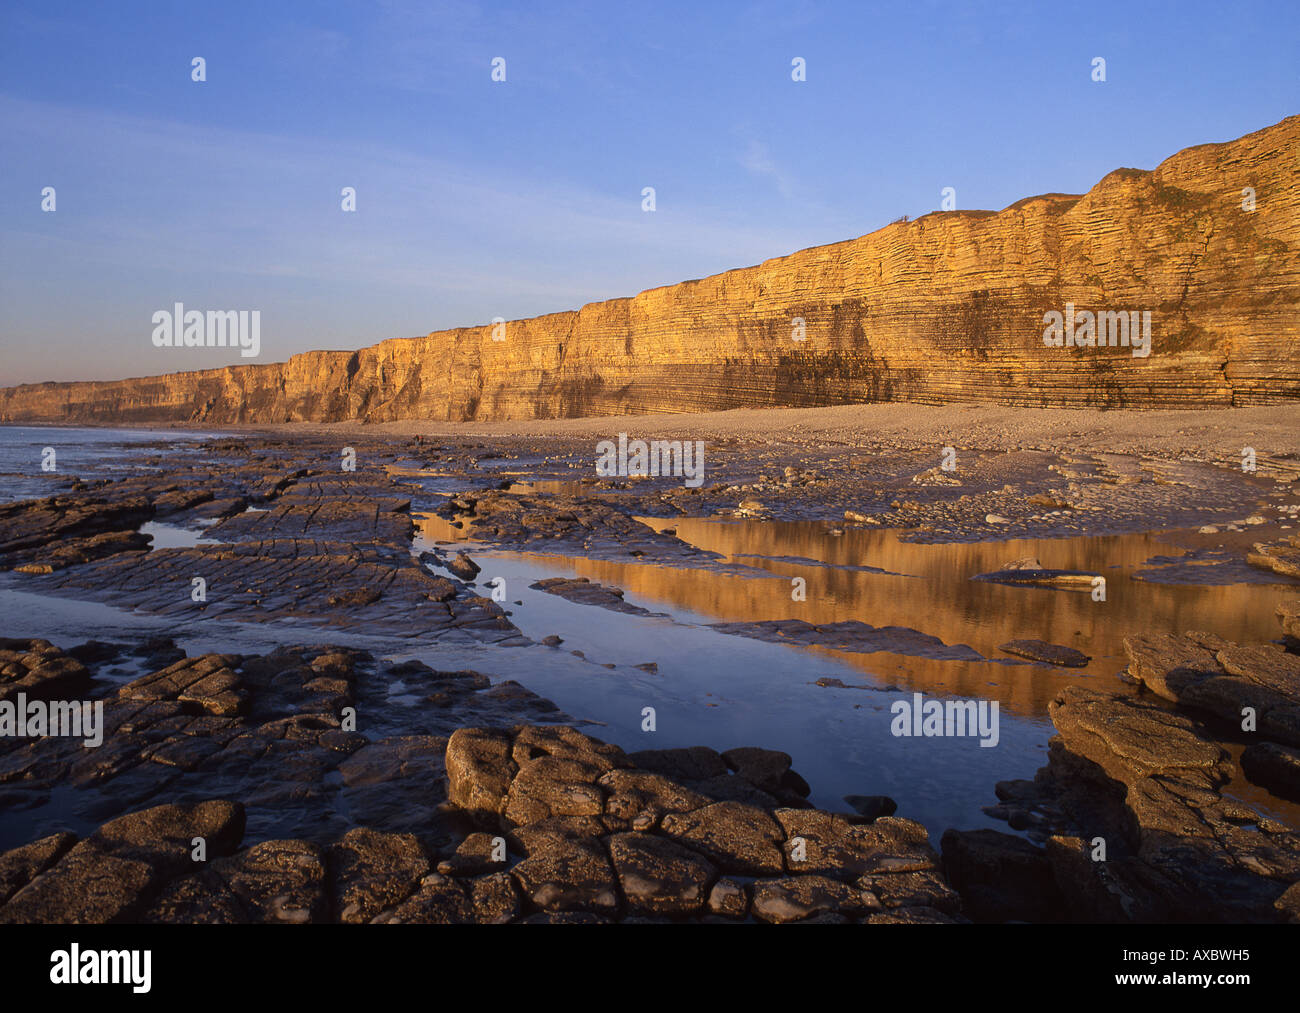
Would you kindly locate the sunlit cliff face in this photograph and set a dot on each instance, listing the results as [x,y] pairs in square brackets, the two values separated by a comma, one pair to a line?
[947,308]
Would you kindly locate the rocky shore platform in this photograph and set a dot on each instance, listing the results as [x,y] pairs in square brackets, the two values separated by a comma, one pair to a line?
[1133,818]
[330,779]
[543,824]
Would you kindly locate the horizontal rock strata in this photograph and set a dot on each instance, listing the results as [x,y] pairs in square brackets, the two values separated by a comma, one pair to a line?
[948,307]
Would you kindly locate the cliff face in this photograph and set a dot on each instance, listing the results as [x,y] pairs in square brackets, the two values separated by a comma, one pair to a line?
[949,307]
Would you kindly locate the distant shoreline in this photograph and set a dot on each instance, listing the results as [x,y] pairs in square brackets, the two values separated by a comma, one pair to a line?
[1273,430]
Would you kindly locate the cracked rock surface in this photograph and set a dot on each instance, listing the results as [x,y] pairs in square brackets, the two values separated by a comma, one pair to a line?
[550,825]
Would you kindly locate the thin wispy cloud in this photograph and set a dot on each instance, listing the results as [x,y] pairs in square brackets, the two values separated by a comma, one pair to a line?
[243,207]
[758,160]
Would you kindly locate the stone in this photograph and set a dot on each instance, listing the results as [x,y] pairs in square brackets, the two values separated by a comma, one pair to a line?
[565,870]
[371,870]
[278,882]
[474,855]
[834,846]
[1050,654]
[111,875]
[1288,616]
[796,898]
[697,763]
[1209,674]
[549,786]
[1150,784]
[1274,767]
[1288,903]
[494,899]
[39,671]
[1264,665]
[1067,580]
[479,772]
[586,592]
[85,887]
[913,889]
[871,807]
[851,635]
[1282,558]
[21,865]
[463,567]
[911,916]
[438,900]
[1000,878]
[739,839]
[163,834]
[1165,664]
[763,768]
[1129,739]
[658,876]
[637,795]
[565,742]
[727,899]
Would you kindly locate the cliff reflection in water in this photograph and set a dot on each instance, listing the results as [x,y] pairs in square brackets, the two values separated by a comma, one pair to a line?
[929,588]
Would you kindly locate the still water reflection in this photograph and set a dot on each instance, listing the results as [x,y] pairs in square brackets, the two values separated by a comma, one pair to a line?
[873,577]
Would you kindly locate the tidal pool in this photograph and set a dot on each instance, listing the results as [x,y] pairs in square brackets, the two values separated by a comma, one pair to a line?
[724,690]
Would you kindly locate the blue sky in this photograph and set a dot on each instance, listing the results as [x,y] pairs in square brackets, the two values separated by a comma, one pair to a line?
[478,199]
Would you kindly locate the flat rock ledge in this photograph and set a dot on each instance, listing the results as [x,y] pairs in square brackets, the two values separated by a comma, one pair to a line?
[582,591]
[558,828]
[851,635]
[1045,653]
[1129,821]
[1283,558]
[268,730]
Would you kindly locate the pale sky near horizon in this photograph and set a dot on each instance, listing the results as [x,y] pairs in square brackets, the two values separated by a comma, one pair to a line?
[478,198]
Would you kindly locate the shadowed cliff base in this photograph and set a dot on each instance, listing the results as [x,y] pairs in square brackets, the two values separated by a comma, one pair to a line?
[1217,435]
[950,307]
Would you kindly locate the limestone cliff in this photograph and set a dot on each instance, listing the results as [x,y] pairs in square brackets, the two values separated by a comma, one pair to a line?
[949,307]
